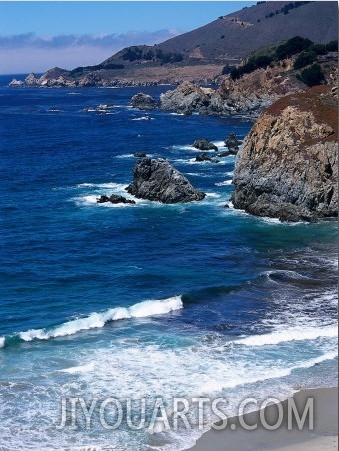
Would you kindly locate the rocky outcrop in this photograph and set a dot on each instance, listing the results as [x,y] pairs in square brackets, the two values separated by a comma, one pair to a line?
[288,167]
[30,81]
[232,143]
[203,156]
[143,102]
[185,99]
[158,180]
[114,199]
[204,144]
[249,95]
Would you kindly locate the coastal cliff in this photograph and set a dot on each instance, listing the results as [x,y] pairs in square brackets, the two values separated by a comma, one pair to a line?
[288,167]
[246,96]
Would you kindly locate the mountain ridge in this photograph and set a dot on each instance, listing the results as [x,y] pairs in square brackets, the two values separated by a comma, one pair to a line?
[200,55]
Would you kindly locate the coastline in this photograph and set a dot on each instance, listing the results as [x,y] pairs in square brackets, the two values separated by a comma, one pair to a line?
[323,437]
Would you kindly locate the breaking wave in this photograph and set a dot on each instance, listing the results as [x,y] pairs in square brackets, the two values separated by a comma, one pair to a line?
[98,320]
[289,334]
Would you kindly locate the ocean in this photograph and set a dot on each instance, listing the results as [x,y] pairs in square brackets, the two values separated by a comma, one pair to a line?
[105,304]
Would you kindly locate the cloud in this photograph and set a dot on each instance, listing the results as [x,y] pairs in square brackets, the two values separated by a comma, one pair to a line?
[27,52]
[63,41]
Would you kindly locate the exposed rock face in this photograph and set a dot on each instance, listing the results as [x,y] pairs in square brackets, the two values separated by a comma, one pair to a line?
[204,144]
[232,143]
[143,101]
[156,179]
[248,95]
[185,99]
[288,168]
[30,81]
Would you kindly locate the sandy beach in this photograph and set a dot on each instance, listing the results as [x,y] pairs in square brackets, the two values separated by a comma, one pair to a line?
[323,437]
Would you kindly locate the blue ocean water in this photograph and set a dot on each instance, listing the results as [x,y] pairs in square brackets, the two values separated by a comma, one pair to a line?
[145,300]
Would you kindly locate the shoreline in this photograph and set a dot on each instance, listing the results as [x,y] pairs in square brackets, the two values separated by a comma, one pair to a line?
[323,437]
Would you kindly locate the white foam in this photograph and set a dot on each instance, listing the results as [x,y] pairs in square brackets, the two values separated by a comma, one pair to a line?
[98,320]
[219,143]
[79,369]
[213,387]
[289,334]
[87,200]
[327,356]
[225,183]
[110,185]
[270,220]
[85,185]
[213,195]
[143,118]
[126,155]
[148,308]
[2,342]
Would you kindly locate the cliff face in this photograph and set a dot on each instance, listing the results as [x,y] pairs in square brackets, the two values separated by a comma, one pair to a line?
[288,168]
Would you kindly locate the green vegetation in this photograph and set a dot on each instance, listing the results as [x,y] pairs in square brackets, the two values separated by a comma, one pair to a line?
[304,59]
[309,56]
[312,76]
[292,46]
[332,46]
[285,9]
[132,54]
[306,51]
[137,54]
[253,63]
[170,57]
[82,70]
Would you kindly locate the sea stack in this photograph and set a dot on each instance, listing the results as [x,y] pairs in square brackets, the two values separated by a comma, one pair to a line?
[158,180]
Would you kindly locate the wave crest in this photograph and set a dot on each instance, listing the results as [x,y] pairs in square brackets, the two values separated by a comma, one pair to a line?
[97,320]
[291,334]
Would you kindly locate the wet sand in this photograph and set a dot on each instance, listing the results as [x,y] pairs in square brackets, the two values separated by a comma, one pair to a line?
[322,437]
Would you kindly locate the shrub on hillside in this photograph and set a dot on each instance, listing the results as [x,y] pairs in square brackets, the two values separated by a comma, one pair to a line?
[292,46]
[304,59]
[253,63]
[312,76]
[332,46]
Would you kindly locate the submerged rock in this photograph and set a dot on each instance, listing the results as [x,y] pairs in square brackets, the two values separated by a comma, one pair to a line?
[139,155]
[203,156]
[288,168]
[158,180]
[114,199]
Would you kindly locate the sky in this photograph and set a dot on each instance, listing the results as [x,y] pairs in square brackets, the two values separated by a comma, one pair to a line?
[38,35]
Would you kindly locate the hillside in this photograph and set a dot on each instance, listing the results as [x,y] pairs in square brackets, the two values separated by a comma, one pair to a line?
[235,36]
[201,54]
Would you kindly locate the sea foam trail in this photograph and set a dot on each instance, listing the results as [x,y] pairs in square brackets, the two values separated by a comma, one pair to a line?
[2,342]
[97,320]
[290,334]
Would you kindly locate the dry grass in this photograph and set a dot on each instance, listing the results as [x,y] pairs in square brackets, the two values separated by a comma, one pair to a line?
[319,100]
